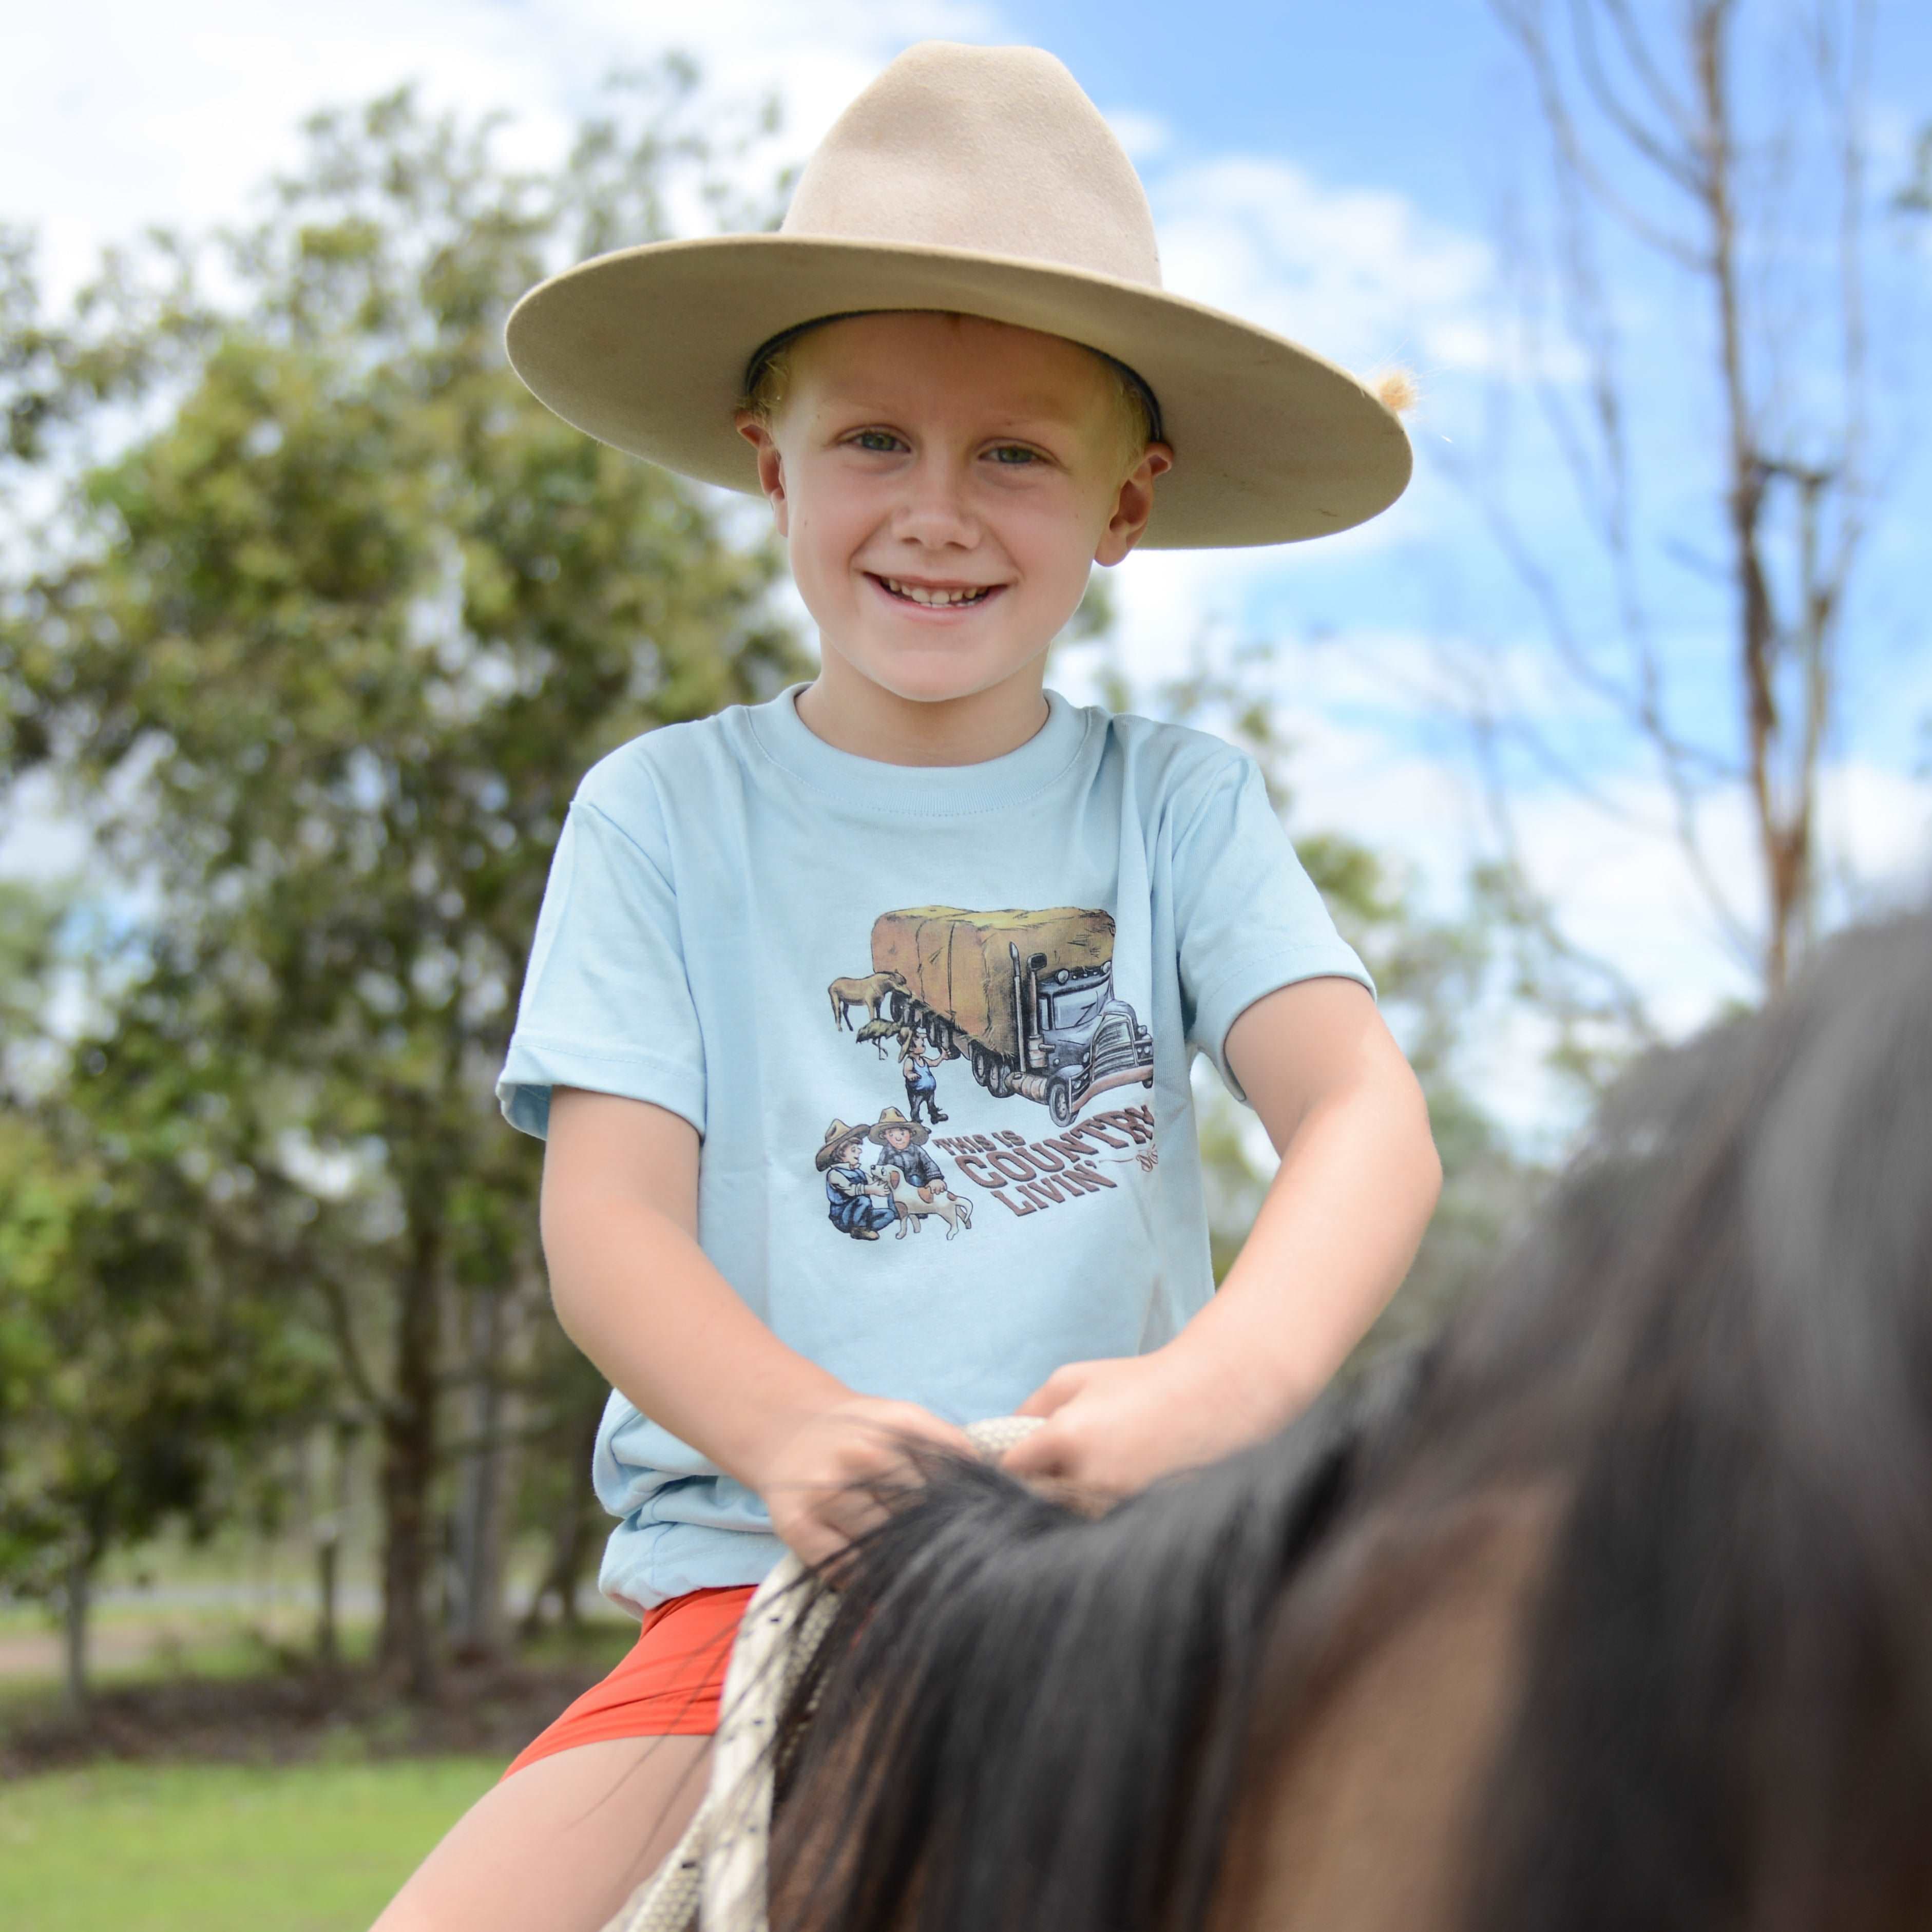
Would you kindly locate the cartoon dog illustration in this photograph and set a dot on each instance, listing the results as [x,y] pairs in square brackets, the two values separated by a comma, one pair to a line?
[912,1205]
[868,990]
[912,1181]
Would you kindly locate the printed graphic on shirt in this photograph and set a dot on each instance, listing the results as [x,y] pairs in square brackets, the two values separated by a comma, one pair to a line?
[900,1189]
[1024,1176]
[1025,1000]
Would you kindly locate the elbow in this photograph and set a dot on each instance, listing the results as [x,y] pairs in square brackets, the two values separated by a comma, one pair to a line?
[1429,1171]
[567,1287]
[565,1301]
[1425,1159]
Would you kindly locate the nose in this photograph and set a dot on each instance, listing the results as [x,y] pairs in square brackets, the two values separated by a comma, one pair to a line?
[935,512]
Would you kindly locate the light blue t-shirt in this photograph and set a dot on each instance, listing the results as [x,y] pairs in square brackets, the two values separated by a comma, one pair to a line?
[934,1026]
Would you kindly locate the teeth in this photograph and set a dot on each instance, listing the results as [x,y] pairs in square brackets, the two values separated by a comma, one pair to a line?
[918,594]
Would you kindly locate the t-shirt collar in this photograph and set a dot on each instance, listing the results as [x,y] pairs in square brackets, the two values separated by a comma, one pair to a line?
[920,791]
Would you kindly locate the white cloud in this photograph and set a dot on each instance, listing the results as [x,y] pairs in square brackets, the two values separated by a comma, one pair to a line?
[1359,275]
[124,114]
[1145,136]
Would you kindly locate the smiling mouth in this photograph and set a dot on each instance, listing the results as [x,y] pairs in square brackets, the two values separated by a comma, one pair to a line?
[935,598]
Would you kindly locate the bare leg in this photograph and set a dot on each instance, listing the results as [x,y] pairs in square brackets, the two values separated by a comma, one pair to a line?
[560,1846]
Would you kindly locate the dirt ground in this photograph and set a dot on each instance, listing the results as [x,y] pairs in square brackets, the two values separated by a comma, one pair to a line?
[36,1655]
[294,1715]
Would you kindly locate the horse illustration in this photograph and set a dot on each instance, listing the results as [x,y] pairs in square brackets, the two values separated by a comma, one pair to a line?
[867,990]
[1606,1608]
[912,1206]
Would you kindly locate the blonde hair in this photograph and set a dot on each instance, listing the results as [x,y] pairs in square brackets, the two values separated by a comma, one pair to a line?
[768,382]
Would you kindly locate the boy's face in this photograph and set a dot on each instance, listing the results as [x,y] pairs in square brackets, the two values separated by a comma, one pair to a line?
[898,1139]
[944,485]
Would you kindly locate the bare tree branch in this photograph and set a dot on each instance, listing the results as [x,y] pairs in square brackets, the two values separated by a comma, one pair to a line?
[1680,165]
[1520,19]
[1793,497]
[1636,51]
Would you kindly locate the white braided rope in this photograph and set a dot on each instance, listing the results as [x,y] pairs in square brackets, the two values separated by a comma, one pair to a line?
[715,1880]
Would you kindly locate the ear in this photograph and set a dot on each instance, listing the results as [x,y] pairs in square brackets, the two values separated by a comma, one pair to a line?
[771,466]
[1133,505]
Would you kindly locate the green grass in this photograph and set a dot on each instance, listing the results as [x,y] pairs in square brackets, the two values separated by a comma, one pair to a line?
[222,1848]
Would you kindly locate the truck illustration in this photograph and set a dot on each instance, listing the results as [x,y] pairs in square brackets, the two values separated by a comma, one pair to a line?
[1026,998]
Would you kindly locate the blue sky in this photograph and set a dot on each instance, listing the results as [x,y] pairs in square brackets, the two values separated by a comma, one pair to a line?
[1382,95]
[1335,172]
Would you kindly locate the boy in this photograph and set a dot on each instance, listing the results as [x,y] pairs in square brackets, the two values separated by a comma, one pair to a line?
[960,386]
[855,1204]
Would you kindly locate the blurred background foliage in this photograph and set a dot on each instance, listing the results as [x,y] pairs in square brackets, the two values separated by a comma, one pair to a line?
[327,618]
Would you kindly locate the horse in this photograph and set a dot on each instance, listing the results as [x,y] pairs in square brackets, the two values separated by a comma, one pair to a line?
[868,991]
[1609,1606]
[912,1206]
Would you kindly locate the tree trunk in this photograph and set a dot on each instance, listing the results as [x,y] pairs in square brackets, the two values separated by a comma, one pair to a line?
[476,1625]
[330,1524]
[77,1602]
[406,1651]
[575,1534]
[328,1643]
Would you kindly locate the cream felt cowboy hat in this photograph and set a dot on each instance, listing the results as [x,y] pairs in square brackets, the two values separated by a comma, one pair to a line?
[980,181]
[835,1137]
[892,1118]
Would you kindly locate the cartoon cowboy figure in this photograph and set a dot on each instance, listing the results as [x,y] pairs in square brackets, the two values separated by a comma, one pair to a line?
[904,1142]
[856,1202]
[915,1066]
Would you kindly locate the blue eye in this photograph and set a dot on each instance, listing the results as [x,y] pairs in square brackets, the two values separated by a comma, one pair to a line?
[1014,455]
[880,440]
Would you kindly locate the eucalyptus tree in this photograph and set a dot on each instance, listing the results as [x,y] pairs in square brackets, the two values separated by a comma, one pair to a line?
[321,652]
[143,1371]
[1716,155]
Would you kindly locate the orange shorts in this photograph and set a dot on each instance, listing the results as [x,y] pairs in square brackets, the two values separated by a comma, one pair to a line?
[669,1685]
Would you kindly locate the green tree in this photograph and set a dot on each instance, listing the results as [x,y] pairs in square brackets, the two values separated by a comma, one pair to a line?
[141,1369]
[327,649]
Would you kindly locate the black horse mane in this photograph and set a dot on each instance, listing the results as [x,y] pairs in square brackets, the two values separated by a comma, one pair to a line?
[1714,1346]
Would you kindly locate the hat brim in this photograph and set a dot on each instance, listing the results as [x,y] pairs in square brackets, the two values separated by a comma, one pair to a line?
[645,350]
[917,1129]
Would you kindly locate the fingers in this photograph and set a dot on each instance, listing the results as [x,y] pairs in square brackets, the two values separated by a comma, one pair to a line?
[819,1520]
[1059,1389]
[908,1418]
[1045,1454]
[825,1527]
[832,1484]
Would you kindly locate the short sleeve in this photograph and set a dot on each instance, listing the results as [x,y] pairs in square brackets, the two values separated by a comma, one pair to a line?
[1247,916]
[607,1001]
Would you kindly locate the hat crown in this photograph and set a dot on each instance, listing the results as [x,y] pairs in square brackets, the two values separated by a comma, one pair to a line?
[993,150]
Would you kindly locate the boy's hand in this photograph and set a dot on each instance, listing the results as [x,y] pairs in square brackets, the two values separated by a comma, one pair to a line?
[816,1479]
[1113,1426]
[1336,1232]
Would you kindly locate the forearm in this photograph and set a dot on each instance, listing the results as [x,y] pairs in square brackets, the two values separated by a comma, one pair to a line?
[636,1293]
[1336,1232]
